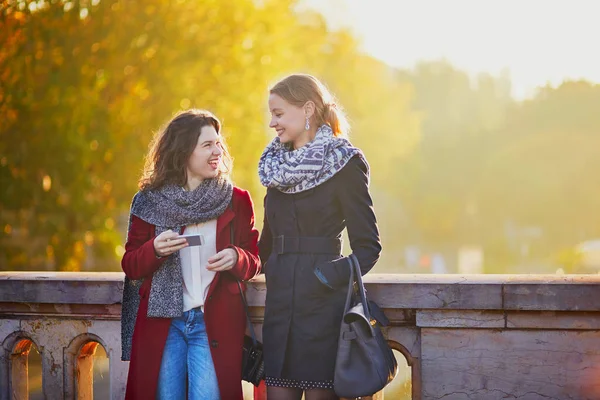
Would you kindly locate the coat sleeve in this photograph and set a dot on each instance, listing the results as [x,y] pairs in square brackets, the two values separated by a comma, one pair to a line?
[357,208]
[246,237]
[139,260]
[266,241]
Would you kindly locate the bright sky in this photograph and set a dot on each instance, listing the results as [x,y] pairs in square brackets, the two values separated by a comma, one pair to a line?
[538,41]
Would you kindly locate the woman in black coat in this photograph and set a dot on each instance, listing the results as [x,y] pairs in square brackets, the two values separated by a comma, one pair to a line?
[317,186]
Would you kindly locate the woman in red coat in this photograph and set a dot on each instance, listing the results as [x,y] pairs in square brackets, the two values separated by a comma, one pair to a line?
[183,320]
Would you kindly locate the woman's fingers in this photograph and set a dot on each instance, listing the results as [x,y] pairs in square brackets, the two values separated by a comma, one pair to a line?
[217,263]
[169,242]
[178,248]
[222,261]
[168,245]
[175,242]
[169,234]
[173,248]
[215,258]
[219,269]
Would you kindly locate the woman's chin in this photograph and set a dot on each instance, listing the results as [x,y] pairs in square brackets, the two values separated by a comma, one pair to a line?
[285,139]
[210,174]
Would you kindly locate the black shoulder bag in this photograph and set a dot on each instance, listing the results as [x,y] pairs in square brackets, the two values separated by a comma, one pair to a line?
[365,363]
[253,366]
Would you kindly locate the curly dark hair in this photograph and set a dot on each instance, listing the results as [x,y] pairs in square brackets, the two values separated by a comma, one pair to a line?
[172,147]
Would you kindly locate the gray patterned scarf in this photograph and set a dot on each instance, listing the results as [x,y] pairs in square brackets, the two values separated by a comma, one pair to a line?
[170,207]
[294,171]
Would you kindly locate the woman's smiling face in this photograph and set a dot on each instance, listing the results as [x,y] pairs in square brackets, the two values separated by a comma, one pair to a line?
[287,119]
[205,160]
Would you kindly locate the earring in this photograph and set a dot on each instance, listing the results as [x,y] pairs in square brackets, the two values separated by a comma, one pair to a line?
[307,126]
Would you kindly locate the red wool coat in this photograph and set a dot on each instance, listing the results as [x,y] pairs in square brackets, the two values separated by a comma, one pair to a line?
[223,309]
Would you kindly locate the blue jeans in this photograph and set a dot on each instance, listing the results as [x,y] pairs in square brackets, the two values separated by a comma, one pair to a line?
[187,366]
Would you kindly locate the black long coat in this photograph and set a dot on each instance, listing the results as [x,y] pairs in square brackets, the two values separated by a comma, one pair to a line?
[302,314]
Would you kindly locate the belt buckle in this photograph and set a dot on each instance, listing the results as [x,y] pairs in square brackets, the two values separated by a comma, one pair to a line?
[282,245]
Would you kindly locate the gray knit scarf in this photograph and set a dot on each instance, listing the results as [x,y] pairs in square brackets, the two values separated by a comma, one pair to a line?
[170,207]
[294,171]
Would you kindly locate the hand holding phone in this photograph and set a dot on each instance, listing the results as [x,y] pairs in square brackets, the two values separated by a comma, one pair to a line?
[168,243]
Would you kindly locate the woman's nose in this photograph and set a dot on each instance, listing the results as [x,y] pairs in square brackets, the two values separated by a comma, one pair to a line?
[272,124]
[218,150]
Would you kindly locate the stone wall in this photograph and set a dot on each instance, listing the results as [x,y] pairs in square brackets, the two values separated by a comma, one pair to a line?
[464,337]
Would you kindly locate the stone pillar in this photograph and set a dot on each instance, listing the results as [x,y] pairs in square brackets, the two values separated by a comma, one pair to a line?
[118,375]
[19,370]
[9,335]
[108,334]
[85,371]
[52,371]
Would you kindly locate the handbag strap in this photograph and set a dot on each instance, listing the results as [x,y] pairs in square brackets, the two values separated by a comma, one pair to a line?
[251,327]
[242,295]
[347,306]
[356,275]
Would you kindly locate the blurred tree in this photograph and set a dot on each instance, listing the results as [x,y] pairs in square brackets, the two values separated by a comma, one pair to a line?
[85,84]
[385,127]
[542,168]
[515,178]
[459,114]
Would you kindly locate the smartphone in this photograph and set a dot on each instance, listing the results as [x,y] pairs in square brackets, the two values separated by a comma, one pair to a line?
[193,239]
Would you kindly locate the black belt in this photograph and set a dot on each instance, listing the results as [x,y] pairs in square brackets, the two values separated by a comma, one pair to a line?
[306,244]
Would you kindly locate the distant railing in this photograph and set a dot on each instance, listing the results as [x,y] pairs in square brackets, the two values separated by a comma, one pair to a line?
[463,337]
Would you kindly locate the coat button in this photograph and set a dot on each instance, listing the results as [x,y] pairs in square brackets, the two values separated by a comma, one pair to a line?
[214,344]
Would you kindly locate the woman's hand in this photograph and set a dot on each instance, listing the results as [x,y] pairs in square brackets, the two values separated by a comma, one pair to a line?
[223,260]
[168,243]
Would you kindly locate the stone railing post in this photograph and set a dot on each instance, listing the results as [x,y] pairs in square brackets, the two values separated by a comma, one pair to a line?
[19,363]
[85,371]
[66,316]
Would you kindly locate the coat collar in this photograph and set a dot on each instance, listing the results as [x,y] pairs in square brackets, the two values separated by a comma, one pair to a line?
[224,220]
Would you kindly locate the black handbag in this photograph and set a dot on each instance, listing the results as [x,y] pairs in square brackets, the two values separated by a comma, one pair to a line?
[253,365]
[365,363]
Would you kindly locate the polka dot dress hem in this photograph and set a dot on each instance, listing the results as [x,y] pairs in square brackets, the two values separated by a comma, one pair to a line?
[304,385]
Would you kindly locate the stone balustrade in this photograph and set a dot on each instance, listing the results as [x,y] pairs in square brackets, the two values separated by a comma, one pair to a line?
[464,337]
